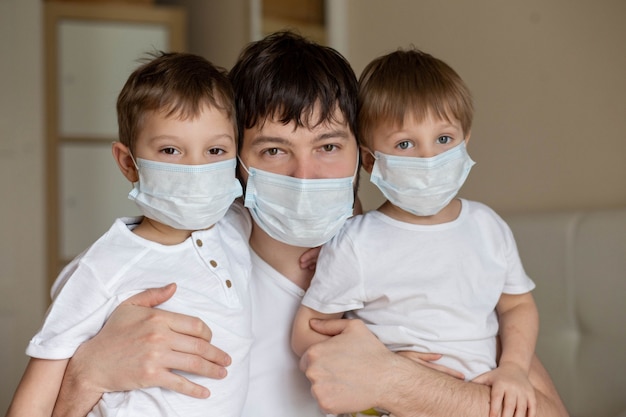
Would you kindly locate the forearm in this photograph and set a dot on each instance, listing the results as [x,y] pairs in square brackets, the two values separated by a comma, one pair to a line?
[414,390]
[549,403]
[77,395]
[302,335]
[38,389]
[519,328]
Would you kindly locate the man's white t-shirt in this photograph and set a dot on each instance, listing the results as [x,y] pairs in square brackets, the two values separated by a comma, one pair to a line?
[277,387]
[427,288]
[212,273]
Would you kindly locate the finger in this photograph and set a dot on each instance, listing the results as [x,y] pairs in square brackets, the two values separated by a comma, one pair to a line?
[201,348]
[196,365]
[152,296]
[329,327]
[508,406]
[532,408]
[308,259]
[426,359]
[521,408]
[445,370]
[419,356]
[182,385]
[180,323]
[497,400]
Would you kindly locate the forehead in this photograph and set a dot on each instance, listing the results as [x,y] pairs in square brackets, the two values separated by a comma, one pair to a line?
[309,125]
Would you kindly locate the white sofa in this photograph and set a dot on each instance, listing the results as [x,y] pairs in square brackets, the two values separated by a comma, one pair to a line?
[578,261]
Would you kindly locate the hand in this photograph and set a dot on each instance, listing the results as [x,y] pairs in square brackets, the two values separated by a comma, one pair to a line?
[512,394]
[137,348]
[308,260]
[427,360]
[345,371]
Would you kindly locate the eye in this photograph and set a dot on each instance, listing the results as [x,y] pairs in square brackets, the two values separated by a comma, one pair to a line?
[444,140]
[170,151]
[216,151]
[271,151]
[329,147]
[405,144]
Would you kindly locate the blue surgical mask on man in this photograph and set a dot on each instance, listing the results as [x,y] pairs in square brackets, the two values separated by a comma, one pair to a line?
[299,212]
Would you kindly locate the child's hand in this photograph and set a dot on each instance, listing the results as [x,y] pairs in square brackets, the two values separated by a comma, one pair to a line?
[308,260]
[511,392]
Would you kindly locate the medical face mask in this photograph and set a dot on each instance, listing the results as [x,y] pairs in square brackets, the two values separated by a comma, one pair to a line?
[299,212]
[187,197]
[422,186]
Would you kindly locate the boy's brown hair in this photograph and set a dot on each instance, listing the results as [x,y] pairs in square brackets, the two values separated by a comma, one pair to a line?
[178,84]
[411,82]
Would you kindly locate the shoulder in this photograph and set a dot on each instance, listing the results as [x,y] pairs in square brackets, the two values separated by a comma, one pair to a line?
[115,247]
[486,219]
[480,211]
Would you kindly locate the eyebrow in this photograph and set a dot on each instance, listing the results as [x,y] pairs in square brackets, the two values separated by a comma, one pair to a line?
[264,140]
[339,134]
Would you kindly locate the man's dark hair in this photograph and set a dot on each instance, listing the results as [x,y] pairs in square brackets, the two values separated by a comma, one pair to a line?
[284,76]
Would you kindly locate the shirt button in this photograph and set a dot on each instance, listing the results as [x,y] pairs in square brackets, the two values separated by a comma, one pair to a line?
[213,263]
[228,283]
[199,243]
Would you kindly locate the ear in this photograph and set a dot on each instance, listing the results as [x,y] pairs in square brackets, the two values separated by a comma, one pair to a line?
[467,137]
[124,160]
[367,159]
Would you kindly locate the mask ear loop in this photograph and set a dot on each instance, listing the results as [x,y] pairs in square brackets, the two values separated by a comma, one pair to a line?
[358,165]
[133,159]
[136,165]
[243,165]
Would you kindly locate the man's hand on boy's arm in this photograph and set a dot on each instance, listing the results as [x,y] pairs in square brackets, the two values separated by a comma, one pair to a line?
[138,347]
[354,371]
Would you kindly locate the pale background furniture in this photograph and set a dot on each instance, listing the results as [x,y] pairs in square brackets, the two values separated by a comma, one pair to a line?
[577,258]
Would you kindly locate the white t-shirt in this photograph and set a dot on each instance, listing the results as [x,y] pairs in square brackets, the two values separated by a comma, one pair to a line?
[212,272]
[277,387]
[427,288]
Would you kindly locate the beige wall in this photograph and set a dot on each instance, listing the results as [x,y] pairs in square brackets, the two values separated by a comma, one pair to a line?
[549,88]
[217,28]
[22,284]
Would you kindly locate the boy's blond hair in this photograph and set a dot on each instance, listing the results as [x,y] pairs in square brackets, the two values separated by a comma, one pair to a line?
[410,82]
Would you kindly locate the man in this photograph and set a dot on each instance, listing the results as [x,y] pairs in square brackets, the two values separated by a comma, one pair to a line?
[296,104]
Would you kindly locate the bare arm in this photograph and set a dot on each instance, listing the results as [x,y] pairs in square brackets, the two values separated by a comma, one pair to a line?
[37,392]
[138,347]
[511,390]
[354,371]
[519,328]
[302,336]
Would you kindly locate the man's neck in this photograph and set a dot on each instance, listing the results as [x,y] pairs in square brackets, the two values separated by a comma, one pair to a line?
[282,257]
